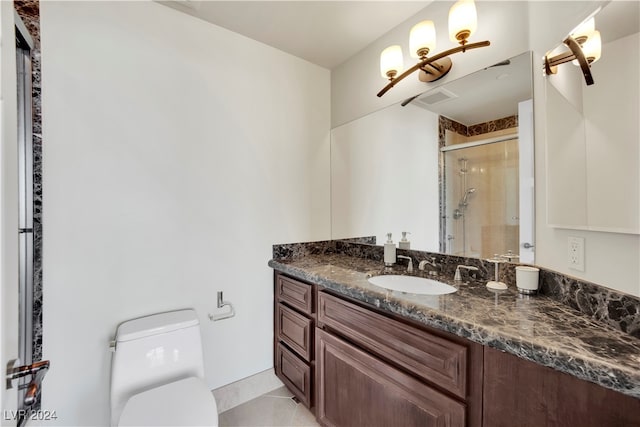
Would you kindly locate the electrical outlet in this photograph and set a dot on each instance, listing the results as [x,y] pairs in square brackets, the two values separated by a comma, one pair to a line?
[576,253]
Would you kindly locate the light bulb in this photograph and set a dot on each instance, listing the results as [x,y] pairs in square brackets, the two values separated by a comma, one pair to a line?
[391,62]
[581,33]
[463,21]
[592,48]
[422,39]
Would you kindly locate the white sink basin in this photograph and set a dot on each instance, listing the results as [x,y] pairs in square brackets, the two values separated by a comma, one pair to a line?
[412,285]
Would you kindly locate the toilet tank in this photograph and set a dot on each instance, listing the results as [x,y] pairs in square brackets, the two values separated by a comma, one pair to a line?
[152,351]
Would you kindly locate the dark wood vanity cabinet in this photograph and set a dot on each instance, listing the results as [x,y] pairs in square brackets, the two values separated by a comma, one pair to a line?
[524,394]
[294,324]
[375,370]
[355,365]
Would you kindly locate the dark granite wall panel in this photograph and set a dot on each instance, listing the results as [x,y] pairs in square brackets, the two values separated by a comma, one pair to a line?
[295,250]
[621,311]
[493,126]
[29,12]
[447,124]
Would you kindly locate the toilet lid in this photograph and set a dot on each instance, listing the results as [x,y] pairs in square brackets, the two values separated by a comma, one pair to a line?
[186,402]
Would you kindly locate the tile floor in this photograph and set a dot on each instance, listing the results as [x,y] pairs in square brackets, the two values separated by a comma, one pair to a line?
[275,408]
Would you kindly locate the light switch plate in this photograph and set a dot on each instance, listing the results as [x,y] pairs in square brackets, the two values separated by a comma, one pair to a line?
[576,253]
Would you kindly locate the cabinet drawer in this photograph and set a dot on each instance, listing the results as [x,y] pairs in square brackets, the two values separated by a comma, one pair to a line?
[297,294]
[434,359]
[294,373]
[356,389]
[295,330]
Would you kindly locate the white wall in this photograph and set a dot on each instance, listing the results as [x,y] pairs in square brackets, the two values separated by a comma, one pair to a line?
[355,83]
[378,187]
[611,259]
[176,154]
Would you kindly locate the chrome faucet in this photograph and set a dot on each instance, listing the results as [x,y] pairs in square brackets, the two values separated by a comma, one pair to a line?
[436,267]
[410,266]
[458,276]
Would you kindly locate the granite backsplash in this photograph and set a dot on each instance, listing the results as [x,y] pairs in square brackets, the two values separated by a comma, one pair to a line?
[615,309]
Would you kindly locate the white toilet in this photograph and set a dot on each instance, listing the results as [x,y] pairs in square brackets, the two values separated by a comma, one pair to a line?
[157,373]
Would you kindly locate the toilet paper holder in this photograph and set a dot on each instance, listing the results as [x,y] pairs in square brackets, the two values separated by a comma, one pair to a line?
[221,303]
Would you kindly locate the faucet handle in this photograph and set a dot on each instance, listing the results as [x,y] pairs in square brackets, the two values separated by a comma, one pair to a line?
[423,264]
[458,276]
[432,262]
[410,263]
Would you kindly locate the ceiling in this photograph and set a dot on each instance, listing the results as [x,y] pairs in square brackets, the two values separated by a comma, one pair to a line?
[325,33]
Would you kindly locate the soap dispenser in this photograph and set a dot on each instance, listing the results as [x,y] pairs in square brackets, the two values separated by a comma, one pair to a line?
[389,252]
[404,243]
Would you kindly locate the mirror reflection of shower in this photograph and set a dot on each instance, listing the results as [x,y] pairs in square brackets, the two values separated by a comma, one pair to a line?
[481,194]
[459,212]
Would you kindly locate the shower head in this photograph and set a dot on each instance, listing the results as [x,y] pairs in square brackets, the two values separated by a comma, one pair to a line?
[464,202]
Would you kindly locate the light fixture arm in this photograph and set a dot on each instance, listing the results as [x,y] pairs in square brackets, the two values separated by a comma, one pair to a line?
[427,61]
[576,53]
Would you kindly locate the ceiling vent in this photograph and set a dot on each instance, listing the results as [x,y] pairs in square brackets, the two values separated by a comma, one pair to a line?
[436,96]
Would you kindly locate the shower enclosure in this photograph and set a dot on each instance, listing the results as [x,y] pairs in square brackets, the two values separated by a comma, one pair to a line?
[481,194]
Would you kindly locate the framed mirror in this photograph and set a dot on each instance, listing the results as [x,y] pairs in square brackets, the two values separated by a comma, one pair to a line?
[444,165]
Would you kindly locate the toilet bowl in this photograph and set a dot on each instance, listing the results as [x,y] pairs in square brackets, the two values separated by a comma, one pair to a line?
[186,402]
[157,373]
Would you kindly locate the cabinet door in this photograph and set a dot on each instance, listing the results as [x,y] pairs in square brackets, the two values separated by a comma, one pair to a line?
[524,394]
[356,389]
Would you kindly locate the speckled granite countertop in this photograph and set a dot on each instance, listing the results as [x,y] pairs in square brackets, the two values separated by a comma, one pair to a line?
[536,328]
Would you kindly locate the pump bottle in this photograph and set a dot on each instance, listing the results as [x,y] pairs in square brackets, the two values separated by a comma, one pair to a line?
[389,252]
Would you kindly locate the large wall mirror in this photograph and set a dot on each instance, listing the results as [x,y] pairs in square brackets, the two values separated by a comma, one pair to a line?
[593,148]
[453,166]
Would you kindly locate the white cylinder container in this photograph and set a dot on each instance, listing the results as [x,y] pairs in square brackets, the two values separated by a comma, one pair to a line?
[527,279]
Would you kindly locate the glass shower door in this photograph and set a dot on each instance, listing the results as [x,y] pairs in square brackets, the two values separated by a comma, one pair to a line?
[482,198]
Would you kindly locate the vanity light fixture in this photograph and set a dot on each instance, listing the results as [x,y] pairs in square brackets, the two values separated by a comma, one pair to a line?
[463,23]
[585,48]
